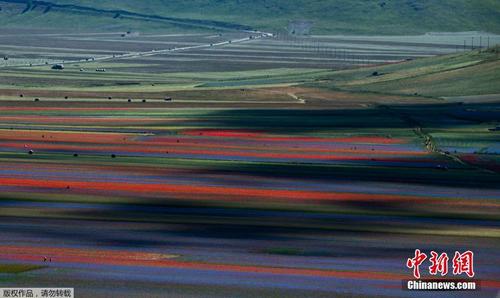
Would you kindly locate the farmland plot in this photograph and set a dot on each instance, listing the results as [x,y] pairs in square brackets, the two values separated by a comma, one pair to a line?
[231,171]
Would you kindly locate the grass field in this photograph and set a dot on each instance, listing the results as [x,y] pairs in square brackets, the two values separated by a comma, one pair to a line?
[332,16]
[260,177]
[17,268]
[436,77]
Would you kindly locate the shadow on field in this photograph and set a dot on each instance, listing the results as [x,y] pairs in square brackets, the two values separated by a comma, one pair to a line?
[435,116]
[194,220]
[389,121]
[184,224]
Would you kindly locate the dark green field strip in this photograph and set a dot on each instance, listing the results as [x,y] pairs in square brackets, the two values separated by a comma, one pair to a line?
[457,177]
[207,207]
[88,75]
[305,122]
[50,80]
[347,222]
[269,79]
[18,268]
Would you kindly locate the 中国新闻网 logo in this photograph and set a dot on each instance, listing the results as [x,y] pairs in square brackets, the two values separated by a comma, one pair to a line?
[462,263]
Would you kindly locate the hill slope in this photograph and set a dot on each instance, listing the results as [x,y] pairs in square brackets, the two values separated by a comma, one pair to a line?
[471,73]
[328,16]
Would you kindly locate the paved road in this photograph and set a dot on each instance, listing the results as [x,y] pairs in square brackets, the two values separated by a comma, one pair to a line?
[253,35]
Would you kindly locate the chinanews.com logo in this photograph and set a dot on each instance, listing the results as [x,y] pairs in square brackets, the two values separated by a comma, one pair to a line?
[462,272]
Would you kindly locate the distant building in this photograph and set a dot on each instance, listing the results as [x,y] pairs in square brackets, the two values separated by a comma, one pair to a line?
[301,27]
